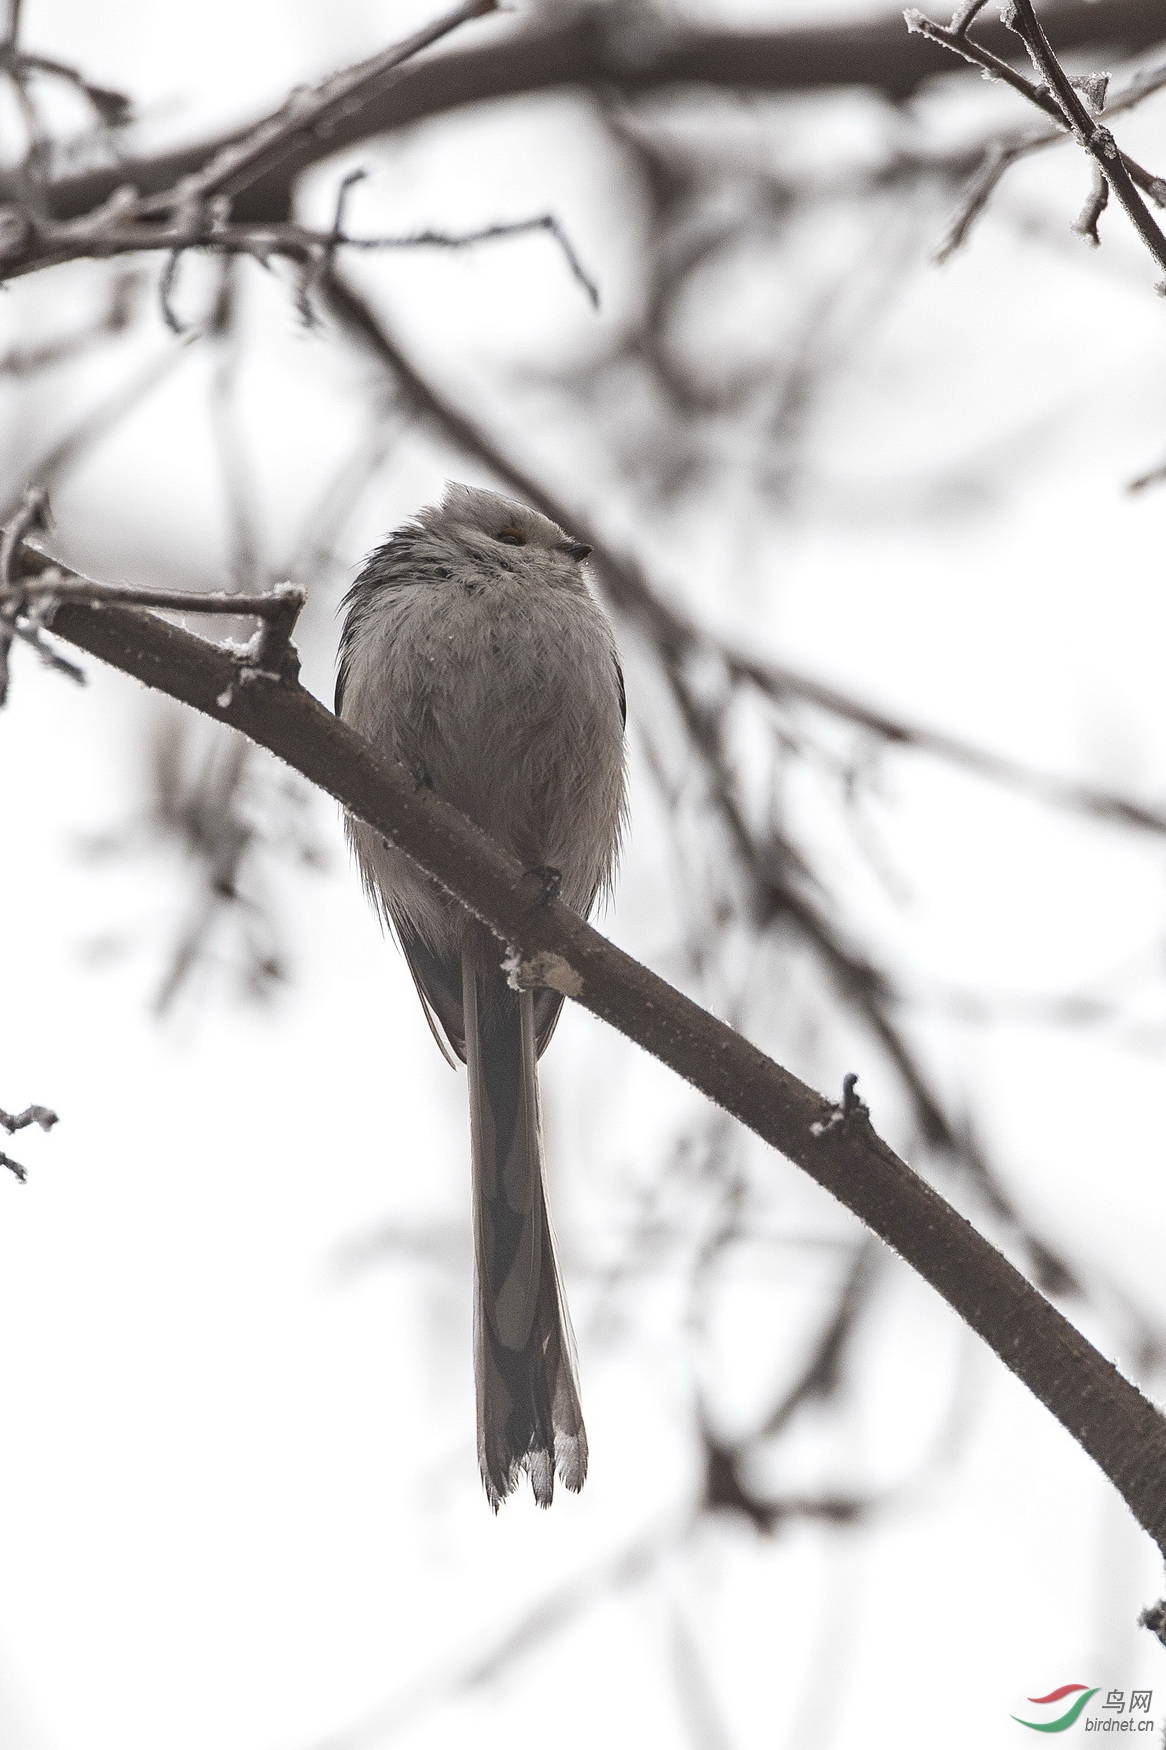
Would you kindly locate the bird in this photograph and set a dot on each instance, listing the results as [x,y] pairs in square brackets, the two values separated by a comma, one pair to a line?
[474,651]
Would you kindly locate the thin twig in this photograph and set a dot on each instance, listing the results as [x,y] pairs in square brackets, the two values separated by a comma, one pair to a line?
[1096,139]
[197,206]
[38,244]
[568,46]
[44,589]
[1155,477]
[14,1121]
[1059,100]
[41,1116]
[1098,199]
[965,15]
[310,114]
[60,585]
[32,514]
[1000,155]
[960,43]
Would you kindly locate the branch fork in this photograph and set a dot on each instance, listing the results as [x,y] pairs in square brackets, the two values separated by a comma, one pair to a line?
[34,587]
[1068,103]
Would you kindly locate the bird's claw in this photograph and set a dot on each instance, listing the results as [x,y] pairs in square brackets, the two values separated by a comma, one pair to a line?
[549,879]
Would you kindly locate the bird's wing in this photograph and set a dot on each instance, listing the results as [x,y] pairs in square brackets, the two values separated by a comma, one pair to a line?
[548,1006]
[439,985]
[439,979]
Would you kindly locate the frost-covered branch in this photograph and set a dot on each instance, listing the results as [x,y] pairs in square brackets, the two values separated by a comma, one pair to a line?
[1060,98]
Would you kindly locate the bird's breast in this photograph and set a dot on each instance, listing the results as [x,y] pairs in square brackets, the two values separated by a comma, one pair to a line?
[505,699]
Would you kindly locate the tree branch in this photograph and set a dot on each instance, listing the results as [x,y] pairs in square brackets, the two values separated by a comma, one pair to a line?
[596,47]
[1095,139]
[103,235]
[1056,97]
[14,1121]
[552,946]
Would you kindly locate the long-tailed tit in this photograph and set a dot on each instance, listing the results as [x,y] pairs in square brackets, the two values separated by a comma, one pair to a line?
[473,652]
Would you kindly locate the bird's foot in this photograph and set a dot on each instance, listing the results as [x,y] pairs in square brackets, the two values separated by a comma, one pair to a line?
[549,882]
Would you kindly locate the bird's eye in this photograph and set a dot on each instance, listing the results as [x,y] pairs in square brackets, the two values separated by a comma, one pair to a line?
[512,537]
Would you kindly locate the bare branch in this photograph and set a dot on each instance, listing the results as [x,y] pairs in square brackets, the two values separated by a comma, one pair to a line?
[36,244]
[14,1121]
[33,514]
[1057,98]
[999,155]
[15,621]
[1154,477]
[584,48]
[1098,199]
[39,1115]
[279,607]
[977,193]
[1096,140]
[310,116]
[554,947]
[960,43]
[269,653]
[965,15]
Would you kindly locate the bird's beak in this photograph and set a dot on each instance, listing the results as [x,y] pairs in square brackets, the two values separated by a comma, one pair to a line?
[575,549]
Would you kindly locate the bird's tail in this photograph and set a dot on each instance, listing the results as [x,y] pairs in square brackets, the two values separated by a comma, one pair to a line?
[524,1366]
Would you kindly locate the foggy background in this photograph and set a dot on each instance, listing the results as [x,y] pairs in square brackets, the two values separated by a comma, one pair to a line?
[240,1495]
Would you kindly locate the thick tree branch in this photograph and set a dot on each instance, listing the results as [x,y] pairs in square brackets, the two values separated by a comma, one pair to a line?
[552,946]
[629,54]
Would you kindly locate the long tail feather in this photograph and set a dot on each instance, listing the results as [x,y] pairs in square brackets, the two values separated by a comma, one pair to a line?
[528,1398]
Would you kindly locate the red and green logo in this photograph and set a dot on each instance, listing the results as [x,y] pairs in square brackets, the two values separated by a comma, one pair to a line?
[1063,1721]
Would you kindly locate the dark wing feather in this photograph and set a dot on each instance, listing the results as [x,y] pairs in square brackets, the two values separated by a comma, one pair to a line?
[548,1006]
[439,985]
[438,980]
